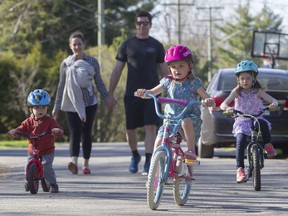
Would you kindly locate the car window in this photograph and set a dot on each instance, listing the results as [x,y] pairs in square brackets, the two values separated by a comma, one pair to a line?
[227,81]
[273,81]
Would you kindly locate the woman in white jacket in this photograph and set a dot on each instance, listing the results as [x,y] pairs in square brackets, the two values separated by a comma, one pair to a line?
[76,96]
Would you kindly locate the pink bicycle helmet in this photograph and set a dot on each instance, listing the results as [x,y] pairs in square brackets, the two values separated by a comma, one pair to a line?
[178,53]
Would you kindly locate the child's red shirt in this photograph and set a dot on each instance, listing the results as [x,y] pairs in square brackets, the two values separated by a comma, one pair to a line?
[46,144]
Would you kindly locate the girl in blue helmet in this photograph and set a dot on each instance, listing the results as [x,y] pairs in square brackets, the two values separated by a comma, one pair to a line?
[247,97]
[39,122]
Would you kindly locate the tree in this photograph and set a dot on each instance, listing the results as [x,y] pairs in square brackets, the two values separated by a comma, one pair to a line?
[34,34]
[51,22]
[239,34]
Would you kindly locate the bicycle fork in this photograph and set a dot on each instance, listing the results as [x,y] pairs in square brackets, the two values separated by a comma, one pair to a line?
[38,165]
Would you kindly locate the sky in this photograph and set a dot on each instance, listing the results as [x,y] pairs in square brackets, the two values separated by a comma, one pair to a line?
[193,19]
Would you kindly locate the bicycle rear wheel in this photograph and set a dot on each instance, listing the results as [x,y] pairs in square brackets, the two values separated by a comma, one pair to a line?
[155,184]
[182,183]
[33,179]
[256,173]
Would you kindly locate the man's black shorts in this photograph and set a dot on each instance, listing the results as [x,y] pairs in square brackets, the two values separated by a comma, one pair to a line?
[139,112]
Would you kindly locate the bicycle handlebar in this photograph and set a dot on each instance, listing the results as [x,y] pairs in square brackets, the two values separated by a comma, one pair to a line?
[33,136]
[171,100]
[238,113]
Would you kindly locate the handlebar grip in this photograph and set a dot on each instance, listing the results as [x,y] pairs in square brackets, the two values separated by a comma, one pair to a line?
[171,100]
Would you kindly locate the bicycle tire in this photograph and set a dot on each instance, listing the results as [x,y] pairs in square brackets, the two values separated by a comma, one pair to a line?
[45,186]
[33,179]
[182,186]
[155,184]
[256,173]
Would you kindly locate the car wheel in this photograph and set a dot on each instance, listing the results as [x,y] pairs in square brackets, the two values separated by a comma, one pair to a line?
[205,151]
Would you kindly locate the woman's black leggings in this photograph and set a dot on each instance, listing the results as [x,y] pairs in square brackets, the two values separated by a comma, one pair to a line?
[81,131]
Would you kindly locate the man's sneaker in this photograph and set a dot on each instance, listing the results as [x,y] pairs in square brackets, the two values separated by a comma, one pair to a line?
[54,188]
[270,151]
[26,186]
[146,168]
[133,168]
[240,175]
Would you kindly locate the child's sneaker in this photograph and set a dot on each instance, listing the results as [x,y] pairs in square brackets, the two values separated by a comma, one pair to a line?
[240,175]
[270,151]
[54,188]
[190,155]
[26,186]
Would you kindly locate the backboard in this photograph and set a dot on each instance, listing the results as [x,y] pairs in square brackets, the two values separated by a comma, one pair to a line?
[267,44]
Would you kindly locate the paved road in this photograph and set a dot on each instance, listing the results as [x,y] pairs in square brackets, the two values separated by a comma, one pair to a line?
[111,190]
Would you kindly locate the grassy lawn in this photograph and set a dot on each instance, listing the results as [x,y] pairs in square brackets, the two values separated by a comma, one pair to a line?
[13,144]
[4,144]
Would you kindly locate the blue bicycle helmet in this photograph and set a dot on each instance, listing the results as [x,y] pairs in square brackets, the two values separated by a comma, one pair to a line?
[38,97]
[245,66]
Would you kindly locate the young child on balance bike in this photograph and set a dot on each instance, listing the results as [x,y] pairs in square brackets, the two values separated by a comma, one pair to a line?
[38,122]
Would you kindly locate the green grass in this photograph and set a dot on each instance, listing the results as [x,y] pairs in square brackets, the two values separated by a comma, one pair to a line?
[13,144]
[4,144]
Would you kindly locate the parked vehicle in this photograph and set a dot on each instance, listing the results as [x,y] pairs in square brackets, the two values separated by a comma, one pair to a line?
[217,129]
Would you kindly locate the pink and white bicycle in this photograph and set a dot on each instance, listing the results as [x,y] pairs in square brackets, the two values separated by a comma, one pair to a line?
[168,160]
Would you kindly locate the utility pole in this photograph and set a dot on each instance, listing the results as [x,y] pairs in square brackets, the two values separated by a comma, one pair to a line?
[178,21]
[101,32]
[101,42]
[101,23]
[209,46]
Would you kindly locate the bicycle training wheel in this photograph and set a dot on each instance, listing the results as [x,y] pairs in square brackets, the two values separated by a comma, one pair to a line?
[33,179]
[256,173]
[182,183]
[45,186]
[155,184]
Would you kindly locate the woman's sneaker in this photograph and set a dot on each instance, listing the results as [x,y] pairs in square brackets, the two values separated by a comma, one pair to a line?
[72,167]
[240,175]
[270,151]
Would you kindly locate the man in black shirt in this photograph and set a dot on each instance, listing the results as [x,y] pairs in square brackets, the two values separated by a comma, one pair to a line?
[143,55]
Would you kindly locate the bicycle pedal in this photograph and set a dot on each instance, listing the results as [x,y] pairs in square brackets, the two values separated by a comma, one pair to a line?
[192,162]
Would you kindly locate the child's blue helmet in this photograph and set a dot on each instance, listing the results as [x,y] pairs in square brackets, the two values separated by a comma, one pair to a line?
[245,66]
[38,97]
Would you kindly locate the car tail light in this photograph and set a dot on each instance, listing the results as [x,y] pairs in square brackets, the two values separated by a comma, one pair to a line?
[286,105]
[219,100]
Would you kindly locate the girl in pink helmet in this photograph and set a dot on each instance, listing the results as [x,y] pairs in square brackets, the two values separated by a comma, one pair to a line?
[181,84]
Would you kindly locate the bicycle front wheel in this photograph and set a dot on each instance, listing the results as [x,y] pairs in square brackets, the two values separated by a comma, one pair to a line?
[45,185]
[33,179]
[182,182]
[256,173]
[155,183]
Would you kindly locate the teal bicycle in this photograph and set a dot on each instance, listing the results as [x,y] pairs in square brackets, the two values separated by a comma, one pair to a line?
[168,160]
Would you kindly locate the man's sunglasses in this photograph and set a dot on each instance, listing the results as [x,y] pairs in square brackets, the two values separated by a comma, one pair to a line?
[144,23]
